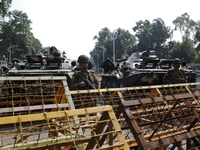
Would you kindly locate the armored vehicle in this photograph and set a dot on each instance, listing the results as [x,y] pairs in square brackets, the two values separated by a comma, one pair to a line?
[48,62]
[140,69]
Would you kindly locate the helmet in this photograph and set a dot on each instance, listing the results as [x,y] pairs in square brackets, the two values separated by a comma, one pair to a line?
[16,60]
[73,63]
[176,61]
[53,48]
[83,58]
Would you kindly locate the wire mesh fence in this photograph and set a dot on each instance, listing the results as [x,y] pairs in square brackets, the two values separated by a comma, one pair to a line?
[113,96]
[38,113]
[34,113]
[27,95]
[161,112]
[61,130]
[159,122]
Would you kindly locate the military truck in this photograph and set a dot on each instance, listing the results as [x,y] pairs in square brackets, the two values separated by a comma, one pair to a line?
[140,69]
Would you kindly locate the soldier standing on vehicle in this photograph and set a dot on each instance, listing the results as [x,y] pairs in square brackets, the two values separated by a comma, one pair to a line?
[80,78]
[175,75]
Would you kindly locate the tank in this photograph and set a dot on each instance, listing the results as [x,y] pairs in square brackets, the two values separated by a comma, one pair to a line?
[140,69]
[48,62]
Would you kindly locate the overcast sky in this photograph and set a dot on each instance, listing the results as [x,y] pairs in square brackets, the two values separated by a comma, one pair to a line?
[70,25]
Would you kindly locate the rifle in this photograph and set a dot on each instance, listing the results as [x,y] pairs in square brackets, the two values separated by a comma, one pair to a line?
[89,84]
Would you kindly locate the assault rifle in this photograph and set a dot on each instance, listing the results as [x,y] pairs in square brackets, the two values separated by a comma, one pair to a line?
[89,84]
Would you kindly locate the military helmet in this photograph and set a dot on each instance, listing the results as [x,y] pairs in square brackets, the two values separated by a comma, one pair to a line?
[53,48]
[83,58]
[176,61]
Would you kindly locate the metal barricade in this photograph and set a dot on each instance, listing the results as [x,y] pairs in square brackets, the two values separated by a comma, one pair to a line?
[153,114]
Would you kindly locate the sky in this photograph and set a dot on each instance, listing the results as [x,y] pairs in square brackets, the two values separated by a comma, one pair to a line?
[70,25]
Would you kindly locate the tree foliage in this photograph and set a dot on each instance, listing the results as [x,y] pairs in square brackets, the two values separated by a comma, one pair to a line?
[15,30]
[152,35]
[185,25]
[4,6]
[189,32]
[155,35]
[124,44]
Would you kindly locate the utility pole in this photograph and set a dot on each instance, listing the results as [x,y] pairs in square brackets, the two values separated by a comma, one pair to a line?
[9,49]
[97,62]
[114,37]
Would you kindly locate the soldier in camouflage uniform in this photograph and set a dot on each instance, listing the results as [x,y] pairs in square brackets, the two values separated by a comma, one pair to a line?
[175,75]
[78,80]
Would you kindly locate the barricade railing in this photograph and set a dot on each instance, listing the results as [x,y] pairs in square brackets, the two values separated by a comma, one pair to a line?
[115,96]
[27,95]
[162,112]
[60,130]
[168,122]
[38,113]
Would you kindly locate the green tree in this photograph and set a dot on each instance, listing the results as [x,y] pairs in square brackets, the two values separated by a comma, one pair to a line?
[187,51]
[152,35]
[124,44]
[160,33]
[197,32]
[184,50]
[17,31]
[185,25]
[4,7]
[171,50]
[143,33]
[190,32]
[103,39]
[197,36]
[37,45]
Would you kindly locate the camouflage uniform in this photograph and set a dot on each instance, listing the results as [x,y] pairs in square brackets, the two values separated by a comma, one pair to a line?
[80,77]
[173,76]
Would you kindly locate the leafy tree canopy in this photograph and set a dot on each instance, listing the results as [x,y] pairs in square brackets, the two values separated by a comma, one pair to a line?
[124,43]
[155,35]
[15,30]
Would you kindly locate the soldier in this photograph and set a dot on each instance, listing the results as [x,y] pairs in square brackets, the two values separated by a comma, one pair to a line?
[175,75]
[80,77]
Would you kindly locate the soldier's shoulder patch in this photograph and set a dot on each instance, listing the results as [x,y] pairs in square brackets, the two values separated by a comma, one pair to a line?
[75,73]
